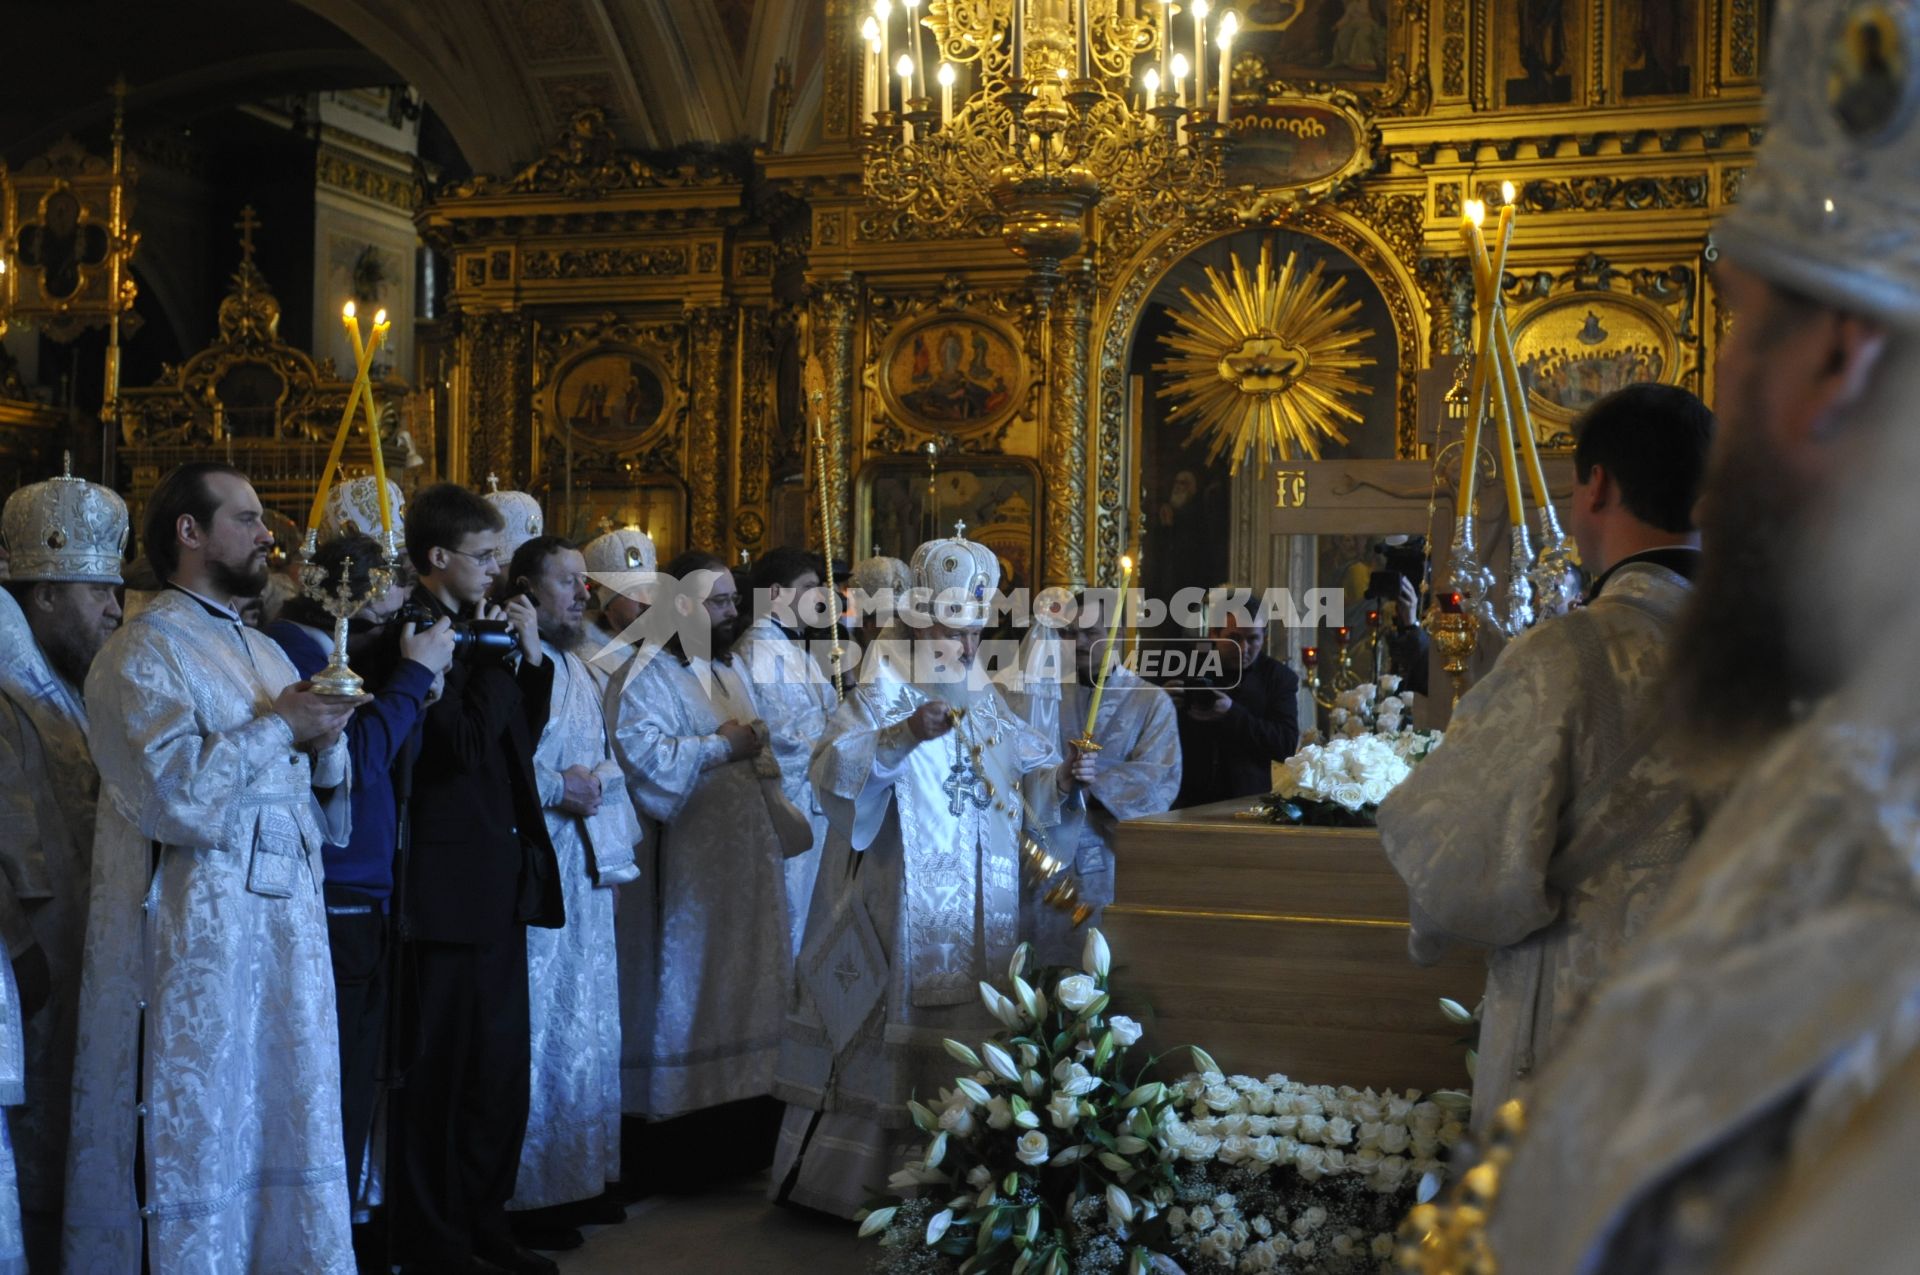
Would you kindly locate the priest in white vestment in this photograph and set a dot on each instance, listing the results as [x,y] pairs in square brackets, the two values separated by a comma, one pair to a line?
[690,741]
[927,775]
[67,537]
[794,697]
[1739,1097]
[572,1147]
[1547,828]
[1136,767]
[206,1041]
[620,568]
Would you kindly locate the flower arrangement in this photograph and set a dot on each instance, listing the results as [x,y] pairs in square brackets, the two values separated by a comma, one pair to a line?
[1049,1158]
[1341,781]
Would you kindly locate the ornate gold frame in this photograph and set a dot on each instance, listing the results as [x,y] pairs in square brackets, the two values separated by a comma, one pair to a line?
[905,416]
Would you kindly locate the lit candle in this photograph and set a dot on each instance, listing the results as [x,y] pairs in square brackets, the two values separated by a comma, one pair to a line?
[1200,54]
[1516,393]
[1310,656]
[883,12]
[1106,663]
[946,93]
[1229,26]
[1473,212]
[340,435]
[904,68]
[913,44]
[1340,637]
[1151,82]
[1180,78]
[380,327]
[870,32]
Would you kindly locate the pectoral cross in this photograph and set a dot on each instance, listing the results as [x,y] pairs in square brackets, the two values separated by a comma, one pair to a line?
[965,783]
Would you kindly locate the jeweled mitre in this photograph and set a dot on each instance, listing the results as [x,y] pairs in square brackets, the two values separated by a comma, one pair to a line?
[522,512]
[65,529]
[353,507]
[956,578]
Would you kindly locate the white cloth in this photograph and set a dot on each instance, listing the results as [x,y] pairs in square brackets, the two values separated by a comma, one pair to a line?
[48,790]
[720,952]
[1137,772]
[918,899]
[572,1147]
[206,913]
[1549,825]
[795,699]
[13,1070]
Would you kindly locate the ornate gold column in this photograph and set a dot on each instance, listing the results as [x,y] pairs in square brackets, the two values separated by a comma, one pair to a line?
[493,352]
[1065,545]
[833,307]
[707,329]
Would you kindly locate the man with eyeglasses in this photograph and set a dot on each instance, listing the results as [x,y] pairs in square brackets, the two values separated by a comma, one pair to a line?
[480,868]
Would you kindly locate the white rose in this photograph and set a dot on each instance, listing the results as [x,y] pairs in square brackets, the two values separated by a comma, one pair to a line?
[1220,1097]
[1339,1131]
[999,1114]
[1260,1257]
[1313,1129]
[1311,1161]
[1343,1246]
[1077,991]
[1032,1148]
[1391,1174]
[1236,1148]
[1262,1227]
[1177,1220]
[1266,1151]
[1064,1111]
[1336,1160]
[1394,1139]
[1382,1246]
[1201,1150]
[978,1176]
[1125,1031]
[957,1120]
[1390,684]
[1305,1249]
[1201,1218]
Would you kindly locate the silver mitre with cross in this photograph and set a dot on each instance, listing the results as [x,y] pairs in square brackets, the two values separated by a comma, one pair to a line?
[65,530]
[522,513]
[954,580]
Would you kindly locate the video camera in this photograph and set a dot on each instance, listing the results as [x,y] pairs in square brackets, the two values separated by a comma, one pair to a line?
[472,639]
[1404,561]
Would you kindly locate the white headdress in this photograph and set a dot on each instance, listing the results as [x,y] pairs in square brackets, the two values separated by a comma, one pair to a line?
[522,512]
[65,529]
[954,580]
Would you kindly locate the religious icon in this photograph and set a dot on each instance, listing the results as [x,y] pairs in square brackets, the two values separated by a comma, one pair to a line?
[1573,351]
[1868,76]
[952,372]
[611,397]
[59,244]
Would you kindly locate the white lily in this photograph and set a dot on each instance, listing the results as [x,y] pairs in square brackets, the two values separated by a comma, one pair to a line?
[1096,958]
[877,1220]
[1000,1062]
[938,1224]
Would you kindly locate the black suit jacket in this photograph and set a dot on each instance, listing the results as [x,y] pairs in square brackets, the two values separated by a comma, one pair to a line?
[480,862]
[1234,756]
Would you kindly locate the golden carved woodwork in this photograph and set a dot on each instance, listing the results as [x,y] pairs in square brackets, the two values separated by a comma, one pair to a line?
[269,408]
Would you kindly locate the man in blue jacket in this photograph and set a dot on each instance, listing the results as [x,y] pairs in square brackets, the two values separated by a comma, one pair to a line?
[359,875]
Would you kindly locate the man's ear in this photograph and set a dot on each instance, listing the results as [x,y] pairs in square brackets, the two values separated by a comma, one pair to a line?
[1850,351]
[1599,489]
[439,557]
[187,530]
[42,597]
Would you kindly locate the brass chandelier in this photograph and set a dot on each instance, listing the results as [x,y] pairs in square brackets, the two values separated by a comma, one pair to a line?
[1037,112]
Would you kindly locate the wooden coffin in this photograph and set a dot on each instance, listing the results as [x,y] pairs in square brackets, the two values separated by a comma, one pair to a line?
[1280,950]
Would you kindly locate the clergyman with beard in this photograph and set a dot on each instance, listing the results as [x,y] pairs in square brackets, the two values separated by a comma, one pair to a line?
[359,874]
[572,1148]
[1548,827]
[206,1102]
[1744,1093]
[57,611]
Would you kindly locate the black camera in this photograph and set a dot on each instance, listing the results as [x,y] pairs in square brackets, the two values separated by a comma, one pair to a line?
[472,639]
[1399,563]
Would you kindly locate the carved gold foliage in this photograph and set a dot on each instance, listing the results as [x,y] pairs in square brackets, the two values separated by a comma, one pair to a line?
[1453,48]
[379,185]
[1607,193]
[1065,540]
[707,333]
[833,307]
[602,263]
[1745,32]
[588,161]
[1265,362]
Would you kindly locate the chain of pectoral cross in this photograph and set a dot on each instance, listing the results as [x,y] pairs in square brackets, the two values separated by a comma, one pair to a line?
[966,782]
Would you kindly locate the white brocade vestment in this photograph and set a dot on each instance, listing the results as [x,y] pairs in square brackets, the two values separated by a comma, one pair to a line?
[572,1147]
[1550,823]
[919,896]
[207,1028]
[48,790]
[721,956]
[1137,773]
[795,699]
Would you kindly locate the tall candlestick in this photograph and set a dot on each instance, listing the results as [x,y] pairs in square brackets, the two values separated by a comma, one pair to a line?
[1085,60]
[1166,32]
[1018,70]
[1106,663]
[1470,219]
[913,47]
[380,327]
[1229,25]
[946,93]
[1200,54]
[876,67]
[1180,78]
[340,435]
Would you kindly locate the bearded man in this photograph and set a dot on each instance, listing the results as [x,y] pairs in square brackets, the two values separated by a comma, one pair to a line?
[67,536]
[206,1101]
[1740,1096]
[926,775]
[572,1146]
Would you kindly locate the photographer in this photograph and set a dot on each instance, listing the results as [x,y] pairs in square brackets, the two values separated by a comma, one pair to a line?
[1234,726]
[1396,591]
[480,869]
[359,875]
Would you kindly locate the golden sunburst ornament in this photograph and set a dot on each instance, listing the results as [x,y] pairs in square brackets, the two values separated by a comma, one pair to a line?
[1266,361]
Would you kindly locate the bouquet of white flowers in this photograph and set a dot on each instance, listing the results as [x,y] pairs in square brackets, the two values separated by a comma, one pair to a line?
[1341,781]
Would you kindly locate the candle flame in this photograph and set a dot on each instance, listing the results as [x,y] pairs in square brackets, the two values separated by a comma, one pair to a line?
[1200,8]
[380,318]
[904,67]
[946,76]
[881,8]
[1476,211]
[1063,73]
[1151,80]
[1229,27]
[870,30]
[1126,563]
[346,311]
[1179,66]
[1506,192]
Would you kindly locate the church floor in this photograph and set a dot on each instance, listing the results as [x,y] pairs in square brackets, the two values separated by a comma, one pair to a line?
[728,1229]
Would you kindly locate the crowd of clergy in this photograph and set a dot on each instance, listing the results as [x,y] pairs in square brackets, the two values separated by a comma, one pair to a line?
[600,840]
[309,980]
